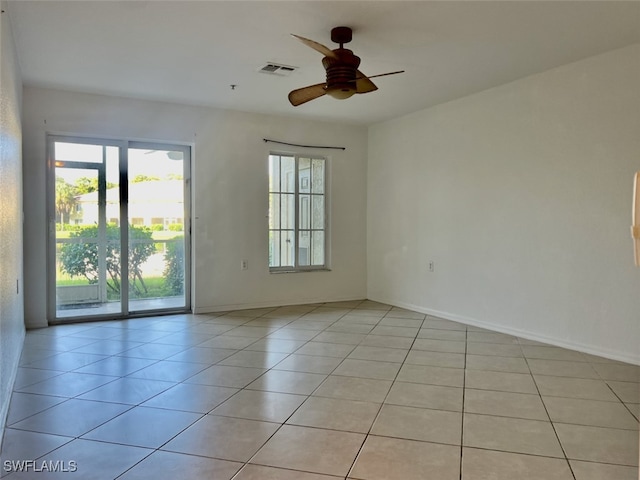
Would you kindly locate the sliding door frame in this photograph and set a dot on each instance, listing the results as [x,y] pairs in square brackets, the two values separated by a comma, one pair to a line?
[123,146]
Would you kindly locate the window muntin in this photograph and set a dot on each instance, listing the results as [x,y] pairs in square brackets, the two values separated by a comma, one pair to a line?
[297,218]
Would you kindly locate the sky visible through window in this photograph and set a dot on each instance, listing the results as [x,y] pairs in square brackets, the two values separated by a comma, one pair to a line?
[157,163]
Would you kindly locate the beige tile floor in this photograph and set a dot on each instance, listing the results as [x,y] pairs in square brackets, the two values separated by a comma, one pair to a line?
[350,390]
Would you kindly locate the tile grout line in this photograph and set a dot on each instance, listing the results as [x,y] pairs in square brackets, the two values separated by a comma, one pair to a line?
[233,395]
[336,367]
[464,391]
[197,420]
[550,420]
[153,450]
[245,321]
[606,382]
[282,424]
[288,355]
[117,377]
[382,404]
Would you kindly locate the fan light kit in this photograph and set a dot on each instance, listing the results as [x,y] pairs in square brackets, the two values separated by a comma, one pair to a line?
[343,77]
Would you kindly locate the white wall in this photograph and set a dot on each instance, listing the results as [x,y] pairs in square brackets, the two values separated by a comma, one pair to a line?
[521,195]
[11,301]
[229,190]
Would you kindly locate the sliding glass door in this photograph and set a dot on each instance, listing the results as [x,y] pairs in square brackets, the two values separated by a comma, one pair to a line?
[157,221]
[101,266]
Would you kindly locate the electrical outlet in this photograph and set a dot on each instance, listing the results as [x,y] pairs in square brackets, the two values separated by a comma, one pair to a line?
[244,265]
[431,266]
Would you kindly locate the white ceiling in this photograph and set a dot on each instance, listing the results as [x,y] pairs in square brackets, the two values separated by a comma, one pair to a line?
[191,52]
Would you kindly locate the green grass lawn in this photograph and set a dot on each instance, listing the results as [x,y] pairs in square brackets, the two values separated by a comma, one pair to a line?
[156,287]
[70,282]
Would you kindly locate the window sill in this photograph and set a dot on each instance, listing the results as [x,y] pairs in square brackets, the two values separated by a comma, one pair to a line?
[311,270]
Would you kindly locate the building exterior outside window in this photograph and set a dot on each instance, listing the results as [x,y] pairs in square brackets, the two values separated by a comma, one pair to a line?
[297,213]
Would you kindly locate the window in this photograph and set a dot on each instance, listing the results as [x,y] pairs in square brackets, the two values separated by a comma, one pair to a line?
[297,220]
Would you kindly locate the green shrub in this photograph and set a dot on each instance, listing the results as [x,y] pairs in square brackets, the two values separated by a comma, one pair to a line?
[174,270]
[68,227]
[80,259]
[176,227]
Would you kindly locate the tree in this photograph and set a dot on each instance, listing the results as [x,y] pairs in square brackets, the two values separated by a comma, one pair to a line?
[80,258]
[87,185]
[144,178]
[65,200]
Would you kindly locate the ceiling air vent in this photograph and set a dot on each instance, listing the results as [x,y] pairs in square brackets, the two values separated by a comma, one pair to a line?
[277,69]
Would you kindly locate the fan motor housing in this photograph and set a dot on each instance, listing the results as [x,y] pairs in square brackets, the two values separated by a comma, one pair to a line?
[341,35]
[341,73]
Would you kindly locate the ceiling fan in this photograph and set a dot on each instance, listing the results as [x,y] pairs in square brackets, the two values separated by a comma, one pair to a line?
[343,77]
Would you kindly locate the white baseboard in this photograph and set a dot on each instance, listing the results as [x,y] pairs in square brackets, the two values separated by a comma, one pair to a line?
[8,386]
[581,347]
[270,304]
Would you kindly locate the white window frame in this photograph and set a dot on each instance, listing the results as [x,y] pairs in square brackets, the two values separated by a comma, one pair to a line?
[297,222]
[124,145]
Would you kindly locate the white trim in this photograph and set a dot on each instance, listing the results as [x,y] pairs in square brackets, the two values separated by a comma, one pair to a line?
[4,409]
[581,347]
[276,304]
[296,230]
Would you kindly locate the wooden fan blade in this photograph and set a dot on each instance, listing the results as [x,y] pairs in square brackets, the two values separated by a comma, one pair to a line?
[306,94]
[364,85]
[318,47]
[385,74]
